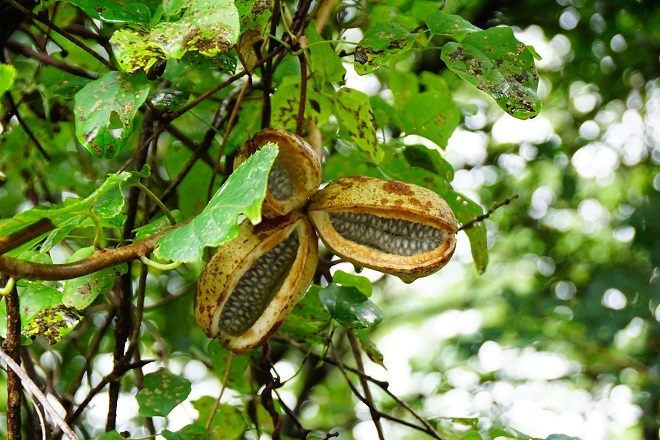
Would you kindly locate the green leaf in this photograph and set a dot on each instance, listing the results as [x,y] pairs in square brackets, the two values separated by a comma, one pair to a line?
[359,282]
[354,112]
[242,193]
[115,11]
[210,27]
[228,421]
[162,391]
[370,348]
[110,203]
[380,44]
[498,64]
[80,293]
[448,25]
[350,307]
[286,99]
[37,297]
[134,50]
[7,77]
[427,158]
[104,111]
[188,432]
[431,114]
[54,323]
[466,210]
[322,58]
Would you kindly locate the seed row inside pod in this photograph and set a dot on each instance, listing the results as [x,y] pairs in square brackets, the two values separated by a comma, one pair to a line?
[391,235]
[393,227]
[250,285]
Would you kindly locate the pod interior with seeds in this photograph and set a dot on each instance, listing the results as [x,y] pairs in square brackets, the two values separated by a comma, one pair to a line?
[295,175]
[250,285]
[394,227]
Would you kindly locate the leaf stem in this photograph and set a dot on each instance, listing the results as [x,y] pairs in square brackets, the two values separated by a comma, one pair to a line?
[157,201]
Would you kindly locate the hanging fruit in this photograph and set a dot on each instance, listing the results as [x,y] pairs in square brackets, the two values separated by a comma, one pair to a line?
[393,227]
[250,285]
[295,175]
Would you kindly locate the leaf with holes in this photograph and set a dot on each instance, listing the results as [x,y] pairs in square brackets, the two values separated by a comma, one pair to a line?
[209,27]
[354,112]
[134,50]
[161,392]
[54,323]
[498,64]
[350,307]
[104,111]
[242,193]
[380,44]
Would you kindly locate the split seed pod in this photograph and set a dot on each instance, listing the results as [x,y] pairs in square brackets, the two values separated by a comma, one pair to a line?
[393,227]
[250,285]
[295,175]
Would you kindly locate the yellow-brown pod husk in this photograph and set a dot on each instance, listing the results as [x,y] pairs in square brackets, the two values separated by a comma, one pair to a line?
[296,173]
[393,227]
[250,285]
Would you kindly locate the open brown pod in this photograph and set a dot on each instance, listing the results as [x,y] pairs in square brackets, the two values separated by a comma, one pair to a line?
[250,285]
[295,175]
[393,227]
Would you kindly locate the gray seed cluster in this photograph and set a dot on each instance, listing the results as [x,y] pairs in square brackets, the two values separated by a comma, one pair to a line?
[256,289]
[391,235]
[279,181]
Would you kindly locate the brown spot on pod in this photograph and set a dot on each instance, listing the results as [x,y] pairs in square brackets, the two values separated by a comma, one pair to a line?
[250,285]
[295,175]
[393,227]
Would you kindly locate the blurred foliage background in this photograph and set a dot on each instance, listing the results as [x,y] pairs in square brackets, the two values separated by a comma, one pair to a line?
[561,334]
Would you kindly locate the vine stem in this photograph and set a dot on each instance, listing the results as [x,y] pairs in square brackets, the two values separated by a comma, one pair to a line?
[36,392]
[482,217]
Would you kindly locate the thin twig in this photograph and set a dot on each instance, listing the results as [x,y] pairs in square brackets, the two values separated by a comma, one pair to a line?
[300,119]
[482,217]
[225,381]
[27,382]
[62,32]
[355,347]
[50,61]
